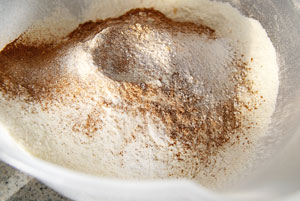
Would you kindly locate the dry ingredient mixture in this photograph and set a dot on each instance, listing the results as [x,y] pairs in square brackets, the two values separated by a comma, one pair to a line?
[138,96]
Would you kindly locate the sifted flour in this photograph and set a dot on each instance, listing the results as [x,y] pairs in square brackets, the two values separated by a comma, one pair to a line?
[183,92]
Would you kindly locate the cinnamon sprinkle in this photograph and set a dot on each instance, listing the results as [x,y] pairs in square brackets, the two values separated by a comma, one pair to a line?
[35,73]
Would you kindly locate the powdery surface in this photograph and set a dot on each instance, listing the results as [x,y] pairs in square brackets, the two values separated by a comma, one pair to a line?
[194,106]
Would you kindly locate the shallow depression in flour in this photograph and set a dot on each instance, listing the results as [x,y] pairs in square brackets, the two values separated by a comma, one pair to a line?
[183,90]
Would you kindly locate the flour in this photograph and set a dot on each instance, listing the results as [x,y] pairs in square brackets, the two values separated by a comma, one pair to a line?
[131,108]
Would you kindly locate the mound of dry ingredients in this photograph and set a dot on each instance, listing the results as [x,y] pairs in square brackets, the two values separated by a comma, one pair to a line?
[138,96]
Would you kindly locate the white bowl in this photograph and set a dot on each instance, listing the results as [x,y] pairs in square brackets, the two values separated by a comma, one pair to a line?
[275,177]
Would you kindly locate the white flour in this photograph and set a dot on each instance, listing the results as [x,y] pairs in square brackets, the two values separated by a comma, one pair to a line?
[61,134]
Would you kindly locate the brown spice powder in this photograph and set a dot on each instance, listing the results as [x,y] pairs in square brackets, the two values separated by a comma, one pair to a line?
[36,73]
